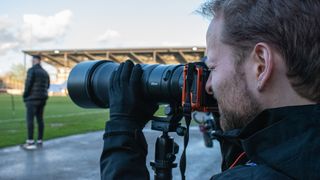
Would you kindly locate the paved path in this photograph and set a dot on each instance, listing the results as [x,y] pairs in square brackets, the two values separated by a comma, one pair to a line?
[77,157]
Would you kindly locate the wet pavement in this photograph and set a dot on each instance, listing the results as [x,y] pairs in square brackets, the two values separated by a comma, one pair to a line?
[77,157]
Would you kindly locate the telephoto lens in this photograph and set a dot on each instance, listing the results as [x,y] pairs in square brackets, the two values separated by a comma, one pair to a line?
[89,81]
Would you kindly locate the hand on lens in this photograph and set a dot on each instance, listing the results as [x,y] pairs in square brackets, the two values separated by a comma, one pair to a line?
[126,95]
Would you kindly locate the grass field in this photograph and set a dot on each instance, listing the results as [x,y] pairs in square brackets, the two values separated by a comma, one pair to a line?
[61,117]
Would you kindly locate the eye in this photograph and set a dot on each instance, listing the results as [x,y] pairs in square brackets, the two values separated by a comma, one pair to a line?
[211,65]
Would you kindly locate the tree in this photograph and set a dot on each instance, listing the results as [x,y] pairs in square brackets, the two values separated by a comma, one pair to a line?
[15,77]
[2,84]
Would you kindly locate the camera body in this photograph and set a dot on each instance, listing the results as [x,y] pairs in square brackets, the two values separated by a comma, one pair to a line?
[200,100]
[89,81]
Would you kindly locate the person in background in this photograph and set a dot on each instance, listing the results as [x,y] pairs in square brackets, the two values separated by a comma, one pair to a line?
[35,96]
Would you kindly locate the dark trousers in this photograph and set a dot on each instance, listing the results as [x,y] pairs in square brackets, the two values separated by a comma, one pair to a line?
[35,109]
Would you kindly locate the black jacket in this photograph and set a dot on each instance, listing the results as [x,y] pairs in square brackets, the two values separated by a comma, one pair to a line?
[281,143]
[36,85]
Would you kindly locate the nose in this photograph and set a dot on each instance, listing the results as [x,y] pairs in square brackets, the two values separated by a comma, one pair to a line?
[209,85]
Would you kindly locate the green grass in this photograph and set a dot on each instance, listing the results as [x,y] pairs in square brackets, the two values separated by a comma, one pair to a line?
[62,118]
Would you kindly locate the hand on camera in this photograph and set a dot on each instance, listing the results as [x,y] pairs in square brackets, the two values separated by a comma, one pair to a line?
[126,96]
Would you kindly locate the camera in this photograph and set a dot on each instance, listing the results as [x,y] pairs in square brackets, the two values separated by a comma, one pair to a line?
[88,84]
[180,86]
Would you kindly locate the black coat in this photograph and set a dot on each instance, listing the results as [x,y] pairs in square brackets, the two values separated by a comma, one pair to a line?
[36,84]
[281,143]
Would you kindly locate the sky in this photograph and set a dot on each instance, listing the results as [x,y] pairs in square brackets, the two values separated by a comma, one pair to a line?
[90,24]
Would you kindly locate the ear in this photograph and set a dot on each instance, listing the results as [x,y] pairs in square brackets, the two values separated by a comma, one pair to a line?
[264,61]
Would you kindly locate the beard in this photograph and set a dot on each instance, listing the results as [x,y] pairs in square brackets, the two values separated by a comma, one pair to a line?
[237,105]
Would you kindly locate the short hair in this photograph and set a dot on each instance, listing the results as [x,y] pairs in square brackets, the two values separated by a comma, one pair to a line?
[290,26]
[36,57]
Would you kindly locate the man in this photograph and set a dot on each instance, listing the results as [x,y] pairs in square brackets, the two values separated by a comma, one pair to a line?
[264,58]
[35,96]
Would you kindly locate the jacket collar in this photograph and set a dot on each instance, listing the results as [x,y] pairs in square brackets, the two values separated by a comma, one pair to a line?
[37,65]
[284,137]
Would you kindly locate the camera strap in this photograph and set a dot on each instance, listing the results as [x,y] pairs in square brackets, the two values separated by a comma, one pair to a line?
[187,116]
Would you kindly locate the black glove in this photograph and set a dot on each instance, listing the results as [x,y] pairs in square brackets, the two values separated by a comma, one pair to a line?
[126,96]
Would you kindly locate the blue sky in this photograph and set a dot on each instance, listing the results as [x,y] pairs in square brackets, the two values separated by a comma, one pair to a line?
[81,24]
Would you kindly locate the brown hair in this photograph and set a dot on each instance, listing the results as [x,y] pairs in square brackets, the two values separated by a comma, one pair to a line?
[291,26]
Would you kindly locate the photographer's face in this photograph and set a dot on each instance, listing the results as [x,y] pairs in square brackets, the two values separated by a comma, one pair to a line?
[227,82]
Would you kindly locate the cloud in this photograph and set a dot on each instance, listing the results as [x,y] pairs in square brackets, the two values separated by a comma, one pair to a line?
[7,36]
[108,35]
[8,40]
[5,47]
[35,29]
[38,29]
[5,22]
